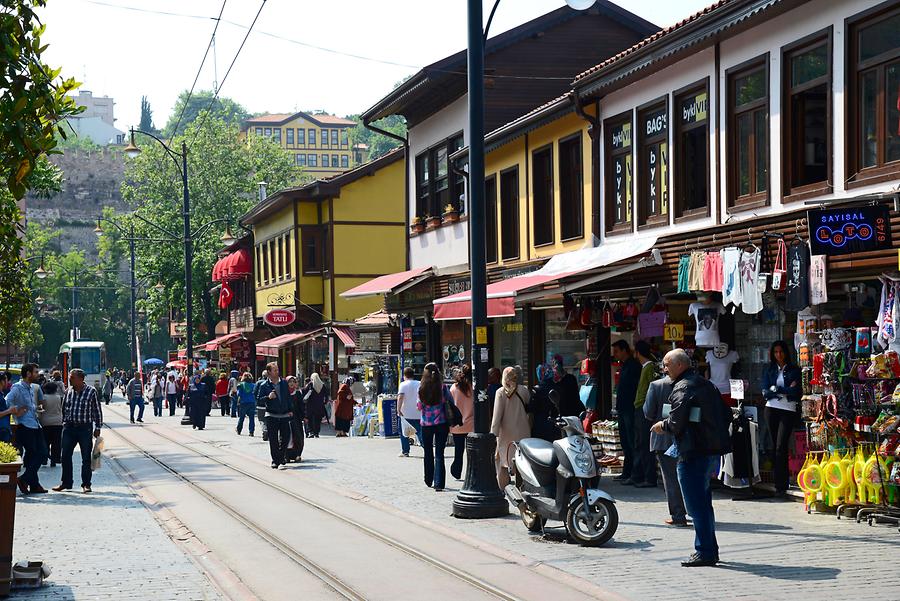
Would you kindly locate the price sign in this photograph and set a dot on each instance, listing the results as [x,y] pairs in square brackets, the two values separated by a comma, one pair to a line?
[737,389]
[673,332]
[481,335]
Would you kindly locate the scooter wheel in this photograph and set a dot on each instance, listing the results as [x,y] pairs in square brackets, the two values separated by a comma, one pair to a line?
[595,530]
[533,522]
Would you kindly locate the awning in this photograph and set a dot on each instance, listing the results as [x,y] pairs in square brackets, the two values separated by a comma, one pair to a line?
[391,283]
[270,348]
[215,343]
[346,335]
[502,295]
[232,266]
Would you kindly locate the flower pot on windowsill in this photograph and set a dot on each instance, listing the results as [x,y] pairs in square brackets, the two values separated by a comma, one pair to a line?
[8,484]
[433,222]
[451,215]
[417,226]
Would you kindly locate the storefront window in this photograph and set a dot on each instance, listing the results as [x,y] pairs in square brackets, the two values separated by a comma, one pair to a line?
[508,341]
[653,198]
[618,173]
[749,144]
[692,152]
[807,117]
[572,345]
[454,345]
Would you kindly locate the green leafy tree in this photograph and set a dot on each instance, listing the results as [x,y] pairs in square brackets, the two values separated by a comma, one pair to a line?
[223,176]
[379,144]
[225,109]
[146,123]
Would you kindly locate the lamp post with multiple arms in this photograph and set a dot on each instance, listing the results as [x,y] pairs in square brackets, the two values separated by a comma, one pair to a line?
[480,496]
[180,160]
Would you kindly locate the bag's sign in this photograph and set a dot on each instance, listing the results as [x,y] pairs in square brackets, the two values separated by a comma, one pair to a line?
[850,230]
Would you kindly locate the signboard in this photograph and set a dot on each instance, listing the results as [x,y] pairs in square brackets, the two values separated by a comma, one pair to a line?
[279,317]
[481,335]
[694,109]
[407,339]
[851,230]
[371,341]
[458,285]
[737,389]
[241,350]
[673,332]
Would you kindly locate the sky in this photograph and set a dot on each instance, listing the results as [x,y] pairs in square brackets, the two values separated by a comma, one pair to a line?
[340,56]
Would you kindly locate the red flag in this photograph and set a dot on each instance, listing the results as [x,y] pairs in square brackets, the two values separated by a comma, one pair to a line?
[225,296]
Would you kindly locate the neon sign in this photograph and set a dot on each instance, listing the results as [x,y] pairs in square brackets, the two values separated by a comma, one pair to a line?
[846,231]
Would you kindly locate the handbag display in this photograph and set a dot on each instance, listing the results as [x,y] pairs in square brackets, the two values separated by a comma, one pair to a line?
[779,273]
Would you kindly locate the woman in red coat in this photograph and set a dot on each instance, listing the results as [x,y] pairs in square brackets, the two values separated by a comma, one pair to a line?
[343,409]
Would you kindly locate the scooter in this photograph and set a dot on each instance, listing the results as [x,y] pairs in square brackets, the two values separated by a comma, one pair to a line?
[559,481]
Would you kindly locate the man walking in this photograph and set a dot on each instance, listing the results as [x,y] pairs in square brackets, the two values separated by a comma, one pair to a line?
[278,413]
[29,436]
[82,416]
[643,471]
[626,391]
[134,391]
[699,422]
[407,408]
[657,396]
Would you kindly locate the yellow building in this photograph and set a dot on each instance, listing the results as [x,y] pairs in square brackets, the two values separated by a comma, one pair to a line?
[319,142]
[313,242]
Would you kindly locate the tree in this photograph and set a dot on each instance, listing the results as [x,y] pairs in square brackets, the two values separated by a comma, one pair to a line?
[223,176]
[146,123]
[224,108]
[379,144]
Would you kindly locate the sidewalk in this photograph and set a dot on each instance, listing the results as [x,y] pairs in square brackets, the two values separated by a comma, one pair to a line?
[104,546]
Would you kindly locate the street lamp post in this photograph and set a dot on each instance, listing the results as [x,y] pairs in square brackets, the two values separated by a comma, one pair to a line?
[480,496]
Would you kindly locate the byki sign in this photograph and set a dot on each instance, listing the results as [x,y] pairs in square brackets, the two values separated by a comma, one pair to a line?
[694,110]
[850,230]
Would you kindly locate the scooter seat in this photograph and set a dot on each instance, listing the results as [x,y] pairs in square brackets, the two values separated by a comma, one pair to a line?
[539,451]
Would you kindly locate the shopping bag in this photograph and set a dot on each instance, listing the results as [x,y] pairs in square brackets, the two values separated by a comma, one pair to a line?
[408,430]
[96,453]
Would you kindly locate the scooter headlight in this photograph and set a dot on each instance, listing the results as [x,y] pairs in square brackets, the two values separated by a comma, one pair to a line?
[583,461]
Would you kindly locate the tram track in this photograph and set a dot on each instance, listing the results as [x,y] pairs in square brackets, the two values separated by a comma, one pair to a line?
[331,580]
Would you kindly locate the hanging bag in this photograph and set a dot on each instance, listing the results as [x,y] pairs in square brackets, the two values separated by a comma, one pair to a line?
[779,274]
[451,411]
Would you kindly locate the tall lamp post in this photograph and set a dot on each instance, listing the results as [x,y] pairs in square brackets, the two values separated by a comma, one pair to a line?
[180,160]
[480,496]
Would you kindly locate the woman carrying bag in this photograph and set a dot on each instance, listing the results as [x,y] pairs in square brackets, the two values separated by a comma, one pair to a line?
[463,398]
[438,411]
[315,395]
[295,448]
[510,422]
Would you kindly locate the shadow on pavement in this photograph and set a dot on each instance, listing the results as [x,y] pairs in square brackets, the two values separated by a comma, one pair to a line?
[779,572]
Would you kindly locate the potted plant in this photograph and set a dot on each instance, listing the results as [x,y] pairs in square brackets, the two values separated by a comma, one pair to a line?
[9,471]
[433,221]
[451,214]
[417,226]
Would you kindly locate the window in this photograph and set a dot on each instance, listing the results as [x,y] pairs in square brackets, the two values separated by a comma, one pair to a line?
[272,260]
[490,219]
[265,262]
[345,137]
[435,186]
[301,160]
[571,188]
[457,182]
[311,242]
[279,250]
[301,136]
[276,135]
[259,272]
[288,258]
[653,172]
[748,139]
[268,132]
[691,156]
[618,173]
[334,160]
[325,161]
[807,116]
[334,137]
[874,89]
[259,131]
[345,161]
[324,137]
[312,160]
[312,137]
[542,199]
[509,213]
[289,136]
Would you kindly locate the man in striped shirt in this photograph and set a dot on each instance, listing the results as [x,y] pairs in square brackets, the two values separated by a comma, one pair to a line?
[81,414]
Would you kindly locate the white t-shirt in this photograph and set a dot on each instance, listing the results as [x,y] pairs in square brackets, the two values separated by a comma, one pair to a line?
[170,387]
[752,302]
[720,369]
[410,391]
[707,318]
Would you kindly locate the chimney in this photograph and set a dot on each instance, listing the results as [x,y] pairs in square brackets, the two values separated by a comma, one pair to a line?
[262,191]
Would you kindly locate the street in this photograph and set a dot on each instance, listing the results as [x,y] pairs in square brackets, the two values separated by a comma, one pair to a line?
[355,521]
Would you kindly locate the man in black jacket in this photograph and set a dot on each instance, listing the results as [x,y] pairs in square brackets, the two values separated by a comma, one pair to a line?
[698,420]
[278,413]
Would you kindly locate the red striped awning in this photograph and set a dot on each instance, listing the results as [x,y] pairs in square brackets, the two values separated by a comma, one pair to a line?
[501,298]
[346,335]
[270,348]
[215,343]
[233,266]
[387,284]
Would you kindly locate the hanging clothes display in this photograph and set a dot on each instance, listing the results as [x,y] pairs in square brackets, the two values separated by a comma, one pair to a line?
[798,271]
[818,284]
[887,312]
[731,271]
[684,267]
[712,272]
[695,274]
[740,467]
[706,316]
[720,361]
[751,294]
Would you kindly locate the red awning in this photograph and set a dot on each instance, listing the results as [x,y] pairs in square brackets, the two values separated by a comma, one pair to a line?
[346,335]
[232,266]
[501,298]
[217,270]
[215,343]
[270,348]
[389,283]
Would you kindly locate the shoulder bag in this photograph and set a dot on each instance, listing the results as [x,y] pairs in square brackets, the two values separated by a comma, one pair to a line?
[451,411]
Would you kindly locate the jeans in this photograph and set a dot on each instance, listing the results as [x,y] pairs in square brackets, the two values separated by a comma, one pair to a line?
[781,427]
[247,410]
[644,468]
[157,407]
[173,401]
[404,441]
[261,418]
[434,440]
[79,434]
[626,437]
[224,404]
[139,402]
[694,476]
[459,451]
[279,435]
[669,468]
[53,438]
[34,450]
[234,406]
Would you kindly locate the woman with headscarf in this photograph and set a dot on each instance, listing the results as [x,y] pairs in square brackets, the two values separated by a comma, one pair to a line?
[198,398]
[315,395]
[343,409]
[463,397]
[435,425]
[510,422]
[566,385]
[295,447]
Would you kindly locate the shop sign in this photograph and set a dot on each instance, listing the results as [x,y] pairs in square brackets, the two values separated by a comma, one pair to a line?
[850,230]
[407,339]
[369,341]
[458,285]
[695,109]
[673,332]
[513,328]
[279,317]
[225,354]
[621,136]
[655,123]
[240,350]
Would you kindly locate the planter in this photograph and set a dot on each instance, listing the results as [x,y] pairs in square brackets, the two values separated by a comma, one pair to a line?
[417,227]
[9,473]
[433,222]
[451,216]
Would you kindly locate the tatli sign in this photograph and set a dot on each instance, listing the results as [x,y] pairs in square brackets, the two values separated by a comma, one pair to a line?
[279,317]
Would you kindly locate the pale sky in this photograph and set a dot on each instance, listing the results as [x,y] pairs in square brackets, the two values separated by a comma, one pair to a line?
[125,53]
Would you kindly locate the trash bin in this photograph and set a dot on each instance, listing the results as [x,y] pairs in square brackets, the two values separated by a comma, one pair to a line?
[387,414]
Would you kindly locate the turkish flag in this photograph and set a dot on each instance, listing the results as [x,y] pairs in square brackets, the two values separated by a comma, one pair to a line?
[225,296]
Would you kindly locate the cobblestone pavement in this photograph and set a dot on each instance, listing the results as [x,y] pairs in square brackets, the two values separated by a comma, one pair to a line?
[104,546]
[770,549]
